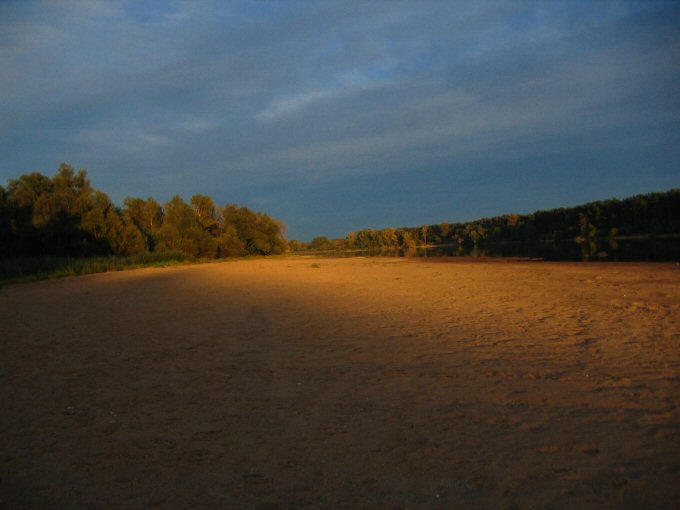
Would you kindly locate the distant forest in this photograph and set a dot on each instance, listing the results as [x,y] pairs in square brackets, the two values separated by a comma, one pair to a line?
[650,215]
[64,216]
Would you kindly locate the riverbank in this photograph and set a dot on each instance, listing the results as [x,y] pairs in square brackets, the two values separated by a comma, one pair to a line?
[343,383]
[30,269]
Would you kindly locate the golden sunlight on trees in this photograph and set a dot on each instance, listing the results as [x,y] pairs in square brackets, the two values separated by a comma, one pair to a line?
[653,214]
[260,233]
[66,216]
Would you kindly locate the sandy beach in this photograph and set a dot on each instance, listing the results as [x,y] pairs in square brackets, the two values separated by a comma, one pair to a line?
[351,383]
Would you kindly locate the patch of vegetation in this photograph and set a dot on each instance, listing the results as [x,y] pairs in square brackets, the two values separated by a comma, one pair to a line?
[64,216]
[26,269]
[652,215]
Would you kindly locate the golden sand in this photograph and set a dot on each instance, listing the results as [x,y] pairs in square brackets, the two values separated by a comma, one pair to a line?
[343,383]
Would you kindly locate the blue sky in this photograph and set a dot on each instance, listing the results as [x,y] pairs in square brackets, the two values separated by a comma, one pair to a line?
[335,115]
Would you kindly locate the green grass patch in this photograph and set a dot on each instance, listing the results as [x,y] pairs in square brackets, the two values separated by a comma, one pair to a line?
[18,270]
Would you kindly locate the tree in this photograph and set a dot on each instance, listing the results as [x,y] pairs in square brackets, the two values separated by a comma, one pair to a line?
[320,243]
[180,215]
[58,213]
[182,229]
[204,206]
[587,230]
[24,191]
[352,240]
[295,245]
[65,215]
[5,225]
[147,216]
[423,232]
[102,222]
[229,244]
[445,230]
[260,234]
[198,243]
[407,241]
[389,237]
[168,238]
[112,232]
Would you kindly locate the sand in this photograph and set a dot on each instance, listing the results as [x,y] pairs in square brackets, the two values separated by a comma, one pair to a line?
[343,383]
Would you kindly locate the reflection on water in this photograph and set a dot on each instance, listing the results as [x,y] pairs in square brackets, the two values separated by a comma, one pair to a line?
[603,250]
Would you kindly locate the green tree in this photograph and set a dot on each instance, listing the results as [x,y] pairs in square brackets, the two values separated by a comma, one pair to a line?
[295,245]
[147,216]
[423,233]
[229,244]
[24,191]
[320,243]
[111,231]
[389,237]
[198,243]
[58,215]
[180,215]
[352,240]
[182,230]
[168,238]
[65,215]
[205,209]
[260,234]
[407,242]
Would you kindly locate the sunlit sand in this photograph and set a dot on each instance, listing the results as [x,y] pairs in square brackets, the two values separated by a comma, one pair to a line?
[343,383]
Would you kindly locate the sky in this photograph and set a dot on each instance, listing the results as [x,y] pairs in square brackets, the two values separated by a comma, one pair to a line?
[334,116]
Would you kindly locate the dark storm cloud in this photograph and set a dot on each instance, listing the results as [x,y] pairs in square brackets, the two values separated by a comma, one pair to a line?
[279,104]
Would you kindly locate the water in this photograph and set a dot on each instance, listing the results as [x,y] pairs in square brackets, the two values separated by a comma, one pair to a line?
[629,250]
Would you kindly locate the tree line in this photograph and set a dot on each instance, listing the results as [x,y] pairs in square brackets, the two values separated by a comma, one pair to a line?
[65,216]
[648,215]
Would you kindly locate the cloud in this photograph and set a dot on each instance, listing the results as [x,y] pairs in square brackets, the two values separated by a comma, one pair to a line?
[128,140]
[252,94]
[347,84]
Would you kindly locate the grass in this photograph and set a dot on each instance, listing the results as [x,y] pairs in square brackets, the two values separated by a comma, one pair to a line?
[20,270]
